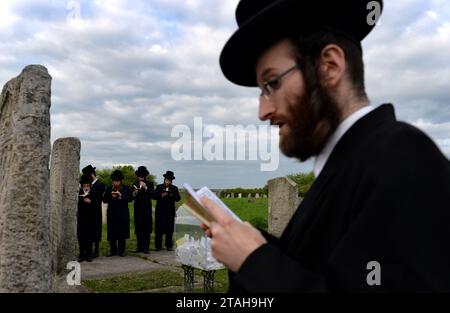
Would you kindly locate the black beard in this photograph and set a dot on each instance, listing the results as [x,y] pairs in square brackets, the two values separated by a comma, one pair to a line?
[313,118]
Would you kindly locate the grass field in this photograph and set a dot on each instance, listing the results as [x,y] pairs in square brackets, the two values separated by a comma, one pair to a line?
[254,211]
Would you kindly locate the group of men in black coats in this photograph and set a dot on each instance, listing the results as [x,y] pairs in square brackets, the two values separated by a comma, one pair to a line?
[93,192]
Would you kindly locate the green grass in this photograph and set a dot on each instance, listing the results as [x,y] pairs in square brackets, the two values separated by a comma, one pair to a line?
[254,212]
[135,282]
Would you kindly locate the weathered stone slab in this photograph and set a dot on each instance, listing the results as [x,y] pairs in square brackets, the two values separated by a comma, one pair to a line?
[64,184]
[25,252]
[283,202]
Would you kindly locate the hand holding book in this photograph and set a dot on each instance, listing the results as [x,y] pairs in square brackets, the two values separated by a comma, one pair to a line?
[193,204]
[232,240]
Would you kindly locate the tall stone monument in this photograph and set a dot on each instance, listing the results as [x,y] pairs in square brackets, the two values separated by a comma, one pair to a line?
[25,251]
[64,182]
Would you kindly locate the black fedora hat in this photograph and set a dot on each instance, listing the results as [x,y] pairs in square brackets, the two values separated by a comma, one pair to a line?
[117,175]
[264,22]
[142,171]
[169,175]
[88,170]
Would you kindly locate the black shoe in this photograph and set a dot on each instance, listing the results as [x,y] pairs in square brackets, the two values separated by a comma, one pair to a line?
[138,251]
[169,249]
[95,255]
[112,254]
[146,252]
[80,260]
[158,249]
[89,259]
[122,254]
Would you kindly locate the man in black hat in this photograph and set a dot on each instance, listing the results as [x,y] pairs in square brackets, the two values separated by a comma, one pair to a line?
[166,195]
[118,216]
[377,217]
[97,190]
[142,193]
[85,219]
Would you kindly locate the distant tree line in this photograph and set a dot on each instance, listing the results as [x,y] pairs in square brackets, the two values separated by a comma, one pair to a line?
[303,181]
[244,191]
[128,172]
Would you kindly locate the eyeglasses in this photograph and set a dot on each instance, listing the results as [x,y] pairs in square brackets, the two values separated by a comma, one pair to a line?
[270,86]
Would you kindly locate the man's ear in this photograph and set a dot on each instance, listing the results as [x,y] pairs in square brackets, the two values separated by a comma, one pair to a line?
[332,65]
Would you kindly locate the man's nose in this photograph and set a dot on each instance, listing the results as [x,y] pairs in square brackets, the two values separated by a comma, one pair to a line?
[266,109]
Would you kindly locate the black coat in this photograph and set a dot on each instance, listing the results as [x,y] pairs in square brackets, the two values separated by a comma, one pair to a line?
[86,226]
[383,195]
[165,209]
[97,190]
[118,214]
[143,209]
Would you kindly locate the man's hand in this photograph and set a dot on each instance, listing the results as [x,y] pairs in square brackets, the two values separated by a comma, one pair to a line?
[87,200]
[164,194]
[232,241]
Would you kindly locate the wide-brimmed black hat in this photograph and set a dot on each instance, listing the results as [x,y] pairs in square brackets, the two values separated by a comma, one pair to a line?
[142,171]
[169,175]
[264,22]
[88,170]
[117,175]
[85,179]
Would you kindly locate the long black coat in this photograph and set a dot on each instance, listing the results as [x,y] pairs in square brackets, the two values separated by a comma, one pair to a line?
[85,218]
[165,209]
[143,209]
[383,195]
[118,214]
[97,190]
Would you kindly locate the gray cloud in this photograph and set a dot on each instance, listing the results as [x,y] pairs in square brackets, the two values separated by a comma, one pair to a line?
[129,71]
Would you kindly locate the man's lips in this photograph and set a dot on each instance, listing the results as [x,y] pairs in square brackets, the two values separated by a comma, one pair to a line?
[280,124]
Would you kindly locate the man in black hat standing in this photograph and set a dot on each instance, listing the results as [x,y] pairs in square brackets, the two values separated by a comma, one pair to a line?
[166,195]
[97,190]
[118,215]
[377,217]
[142,193]
[85,219]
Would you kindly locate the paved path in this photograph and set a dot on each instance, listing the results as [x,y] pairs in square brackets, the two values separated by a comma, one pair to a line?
[104,267]
[115,266]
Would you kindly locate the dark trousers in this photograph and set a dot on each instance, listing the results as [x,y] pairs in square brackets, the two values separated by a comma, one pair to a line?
[85,248]
[117,246]
[143,242]
[96,248]
[158,240]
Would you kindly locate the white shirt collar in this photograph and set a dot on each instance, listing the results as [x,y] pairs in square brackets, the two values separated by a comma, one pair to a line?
[94,181]
[344,126]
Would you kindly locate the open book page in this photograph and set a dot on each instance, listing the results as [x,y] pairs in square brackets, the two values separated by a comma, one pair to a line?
[192,203]
[206,192]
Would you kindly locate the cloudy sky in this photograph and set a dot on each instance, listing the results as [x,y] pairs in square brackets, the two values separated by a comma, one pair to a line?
[126,72]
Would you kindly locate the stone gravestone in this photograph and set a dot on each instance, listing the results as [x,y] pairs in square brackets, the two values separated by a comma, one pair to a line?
[25,250]
[283,202]
[64,185]
[257,195]
[232,195]
[104,210]
[240,195]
